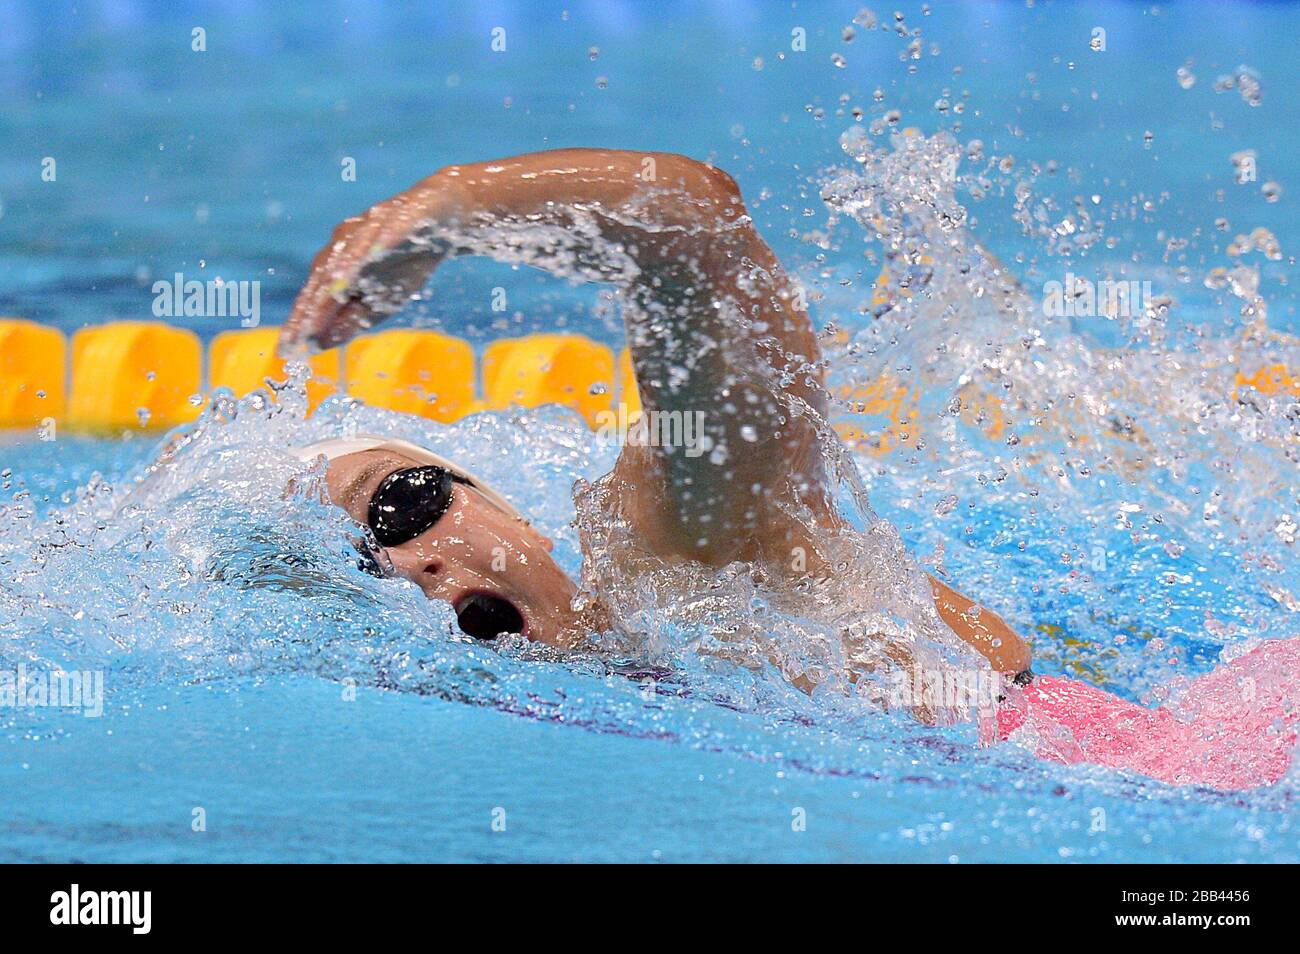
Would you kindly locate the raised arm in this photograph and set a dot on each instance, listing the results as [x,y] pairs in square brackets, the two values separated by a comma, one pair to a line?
[716,330]
[713,324]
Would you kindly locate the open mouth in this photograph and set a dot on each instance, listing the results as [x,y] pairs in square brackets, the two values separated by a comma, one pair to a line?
[485,616]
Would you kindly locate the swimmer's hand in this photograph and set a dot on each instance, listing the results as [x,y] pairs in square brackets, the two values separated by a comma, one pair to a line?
[371,267]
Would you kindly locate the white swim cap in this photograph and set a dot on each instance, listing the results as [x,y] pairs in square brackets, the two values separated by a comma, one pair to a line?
[335,447]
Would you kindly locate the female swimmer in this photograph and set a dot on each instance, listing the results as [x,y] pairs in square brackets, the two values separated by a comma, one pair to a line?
[713,324]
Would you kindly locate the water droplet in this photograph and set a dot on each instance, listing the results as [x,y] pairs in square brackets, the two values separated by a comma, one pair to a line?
[1248,84]
[1286,529]
[838,60]
[1243,166]
[946,506]
[1272,191]
[1245,81]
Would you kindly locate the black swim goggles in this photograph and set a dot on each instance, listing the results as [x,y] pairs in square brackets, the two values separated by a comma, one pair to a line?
[409,501]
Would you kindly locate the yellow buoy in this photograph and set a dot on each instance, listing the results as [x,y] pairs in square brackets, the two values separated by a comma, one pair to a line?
[134,374]
[628,393]
[416,372]
[983,410]
[887,397]
[32,367]
[571,370]
[242,361]
[1271,379]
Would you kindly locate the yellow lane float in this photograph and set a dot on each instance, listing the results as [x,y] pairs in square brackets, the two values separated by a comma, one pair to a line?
[33,363]
[895,408]
[416,372]
[133,375]
[628,393]
[243,360]
[1272,379]
[571,370]
[144,375]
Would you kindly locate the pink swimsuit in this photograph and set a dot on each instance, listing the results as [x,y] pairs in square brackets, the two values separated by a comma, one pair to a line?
[1233,728]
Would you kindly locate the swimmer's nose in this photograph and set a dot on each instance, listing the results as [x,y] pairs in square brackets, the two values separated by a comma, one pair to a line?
[429,579]
[428,574]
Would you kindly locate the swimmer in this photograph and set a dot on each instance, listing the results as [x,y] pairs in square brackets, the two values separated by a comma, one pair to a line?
[713,324]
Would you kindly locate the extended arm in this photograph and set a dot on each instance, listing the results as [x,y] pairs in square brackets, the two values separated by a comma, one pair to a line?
[712,321]
[714,325]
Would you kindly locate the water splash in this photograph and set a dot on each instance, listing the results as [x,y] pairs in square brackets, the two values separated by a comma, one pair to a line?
[1183,444]
[222,560]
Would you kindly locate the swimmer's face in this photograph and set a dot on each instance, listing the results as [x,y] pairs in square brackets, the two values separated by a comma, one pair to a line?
[473,550]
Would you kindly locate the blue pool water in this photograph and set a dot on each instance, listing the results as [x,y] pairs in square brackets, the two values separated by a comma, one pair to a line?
[338,719]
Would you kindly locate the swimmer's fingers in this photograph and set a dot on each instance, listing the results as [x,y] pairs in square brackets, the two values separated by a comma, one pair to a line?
[382,287]
[325,307]
[368,271]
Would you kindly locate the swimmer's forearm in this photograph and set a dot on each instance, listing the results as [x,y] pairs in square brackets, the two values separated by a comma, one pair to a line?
[718,337]
[680,224]
[716,329]
[981,628]
[548,186]
[644,205]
